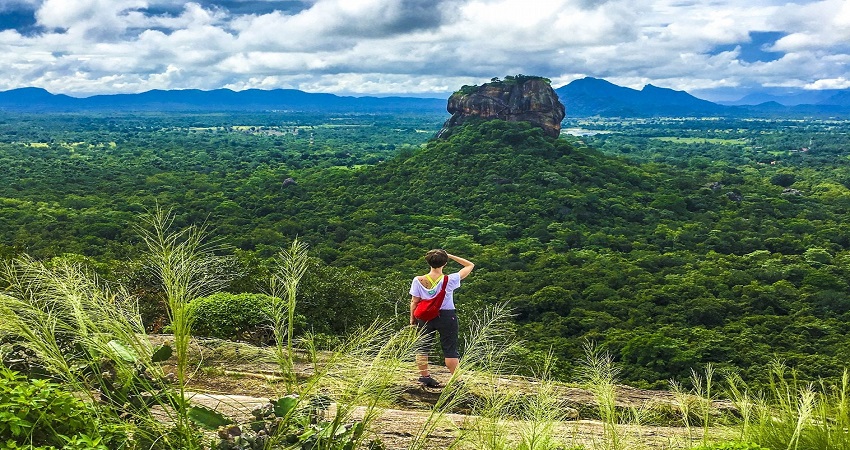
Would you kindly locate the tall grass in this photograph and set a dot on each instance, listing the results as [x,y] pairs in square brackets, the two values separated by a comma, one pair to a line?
[698,402]
[89,338]
[685,402]
[361,376]
[508,416]
[542,410]
[495,400]
[367,371]
[744,402]
[794,415]
[186,268]
[65,316]
[600,376]
[291,265]
[92,339]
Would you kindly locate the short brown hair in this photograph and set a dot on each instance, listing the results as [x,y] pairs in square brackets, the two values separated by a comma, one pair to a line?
[437,257]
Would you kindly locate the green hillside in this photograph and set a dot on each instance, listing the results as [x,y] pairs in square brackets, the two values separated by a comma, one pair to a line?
[650,261]
[667,267]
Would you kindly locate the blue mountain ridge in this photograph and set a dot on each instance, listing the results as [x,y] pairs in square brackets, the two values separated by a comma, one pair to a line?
[786,99]
[585,97]
[589,97]
[37,99]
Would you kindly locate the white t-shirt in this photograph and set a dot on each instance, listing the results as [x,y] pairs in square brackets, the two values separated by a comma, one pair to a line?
[417,290]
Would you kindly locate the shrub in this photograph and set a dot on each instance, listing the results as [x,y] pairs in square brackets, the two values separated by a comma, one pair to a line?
[233,316]
[467,89]
[338,300]
[245,317]
[37,414]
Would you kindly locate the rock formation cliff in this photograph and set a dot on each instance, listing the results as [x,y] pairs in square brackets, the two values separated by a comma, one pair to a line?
[515,99]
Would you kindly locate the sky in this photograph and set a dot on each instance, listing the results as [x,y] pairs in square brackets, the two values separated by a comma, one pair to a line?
[715,49]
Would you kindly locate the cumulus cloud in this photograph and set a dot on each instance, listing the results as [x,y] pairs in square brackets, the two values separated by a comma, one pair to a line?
[831,83]
[338,24]
[820,25]
[421,47]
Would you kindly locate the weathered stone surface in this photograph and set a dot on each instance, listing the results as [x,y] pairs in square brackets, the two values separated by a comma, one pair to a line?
[529,100]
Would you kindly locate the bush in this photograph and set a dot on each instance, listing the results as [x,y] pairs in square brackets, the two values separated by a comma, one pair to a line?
[37,414]
[233,316]
[338,300]
[467,89]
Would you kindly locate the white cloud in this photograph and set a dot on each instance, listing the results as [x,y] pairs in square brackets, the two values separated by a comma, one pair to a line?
[820,25]
[103,18]
[830,83]
[414,46]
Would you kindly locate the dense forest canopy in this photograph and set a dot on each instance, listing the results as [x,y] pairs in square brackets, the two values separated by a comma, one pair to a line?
[670,242]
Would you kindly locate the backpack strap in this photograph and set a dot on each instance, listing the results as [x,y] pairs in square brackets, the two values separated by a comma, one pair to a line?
[445,284]
[433,282]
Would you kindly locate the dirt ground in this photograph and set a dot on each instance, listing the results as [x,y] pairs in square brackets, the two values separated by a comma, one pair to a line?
[396,427]
[236,378]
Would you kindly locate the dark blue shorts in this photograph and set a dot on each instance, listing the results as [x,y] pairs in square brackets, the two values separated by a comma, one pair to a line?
[446,325]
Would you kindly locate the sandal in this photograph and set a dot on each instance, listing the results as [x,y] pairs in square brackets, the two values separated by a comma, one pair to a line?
[429,382]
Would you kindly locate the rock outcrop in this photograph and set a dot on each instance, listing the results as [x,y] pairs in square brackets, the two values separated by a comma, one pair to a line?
[515,99]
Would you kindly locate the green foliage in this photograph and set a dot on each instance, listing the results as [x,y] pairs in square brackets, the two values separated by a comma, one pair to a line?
[783,179]
[509,80]
[39,413]
[233,316]
[467,89]
[92,340]
[337,300]
[162,353]
[207,418]
[520,79]
[672,246]
[732,445]
[305,427]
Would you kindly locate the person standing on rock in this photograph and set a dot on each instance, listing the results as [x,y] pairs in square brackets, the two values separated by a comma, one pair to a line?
[426,287]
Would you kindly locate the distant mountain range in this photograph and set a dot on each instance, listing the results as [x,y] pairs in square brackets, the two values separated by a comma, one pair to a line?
[787,99]
[39,100]
[586,97]
[595,97]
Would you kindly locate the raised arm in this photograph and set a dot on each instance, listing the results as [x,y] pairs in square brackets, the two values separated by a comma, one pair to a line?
[467,265]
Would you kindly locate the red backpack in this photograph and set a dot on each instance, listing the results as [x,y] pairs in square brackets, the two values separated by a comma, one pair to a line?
[429,309]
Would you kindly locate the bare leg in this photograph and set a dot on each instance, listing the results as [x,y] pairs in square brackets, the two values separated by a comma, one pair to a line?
[451,364]
[422,364]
